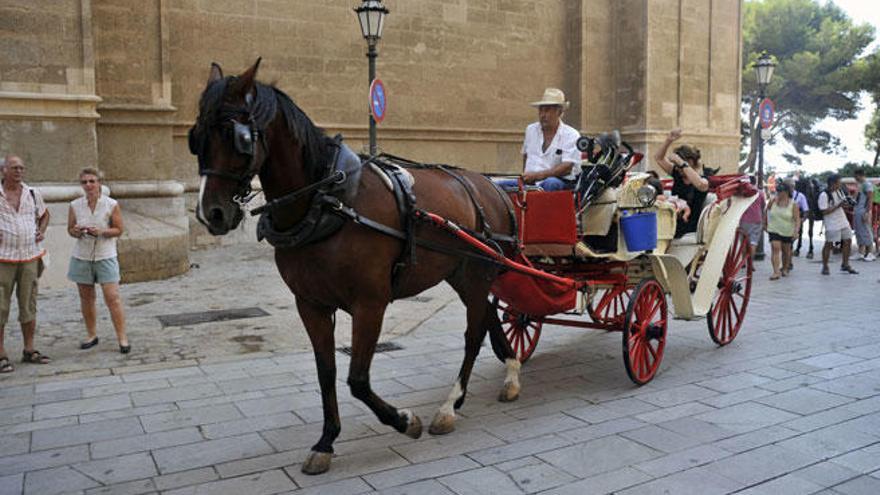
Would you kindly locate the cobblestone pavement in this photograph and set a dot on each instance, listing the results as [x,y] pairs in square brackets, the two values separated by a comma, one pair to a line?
[241,276]
[792,406]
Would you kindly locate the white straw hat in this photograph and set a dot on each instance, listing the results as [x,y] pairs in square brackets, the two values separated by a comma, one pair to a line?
[552,96]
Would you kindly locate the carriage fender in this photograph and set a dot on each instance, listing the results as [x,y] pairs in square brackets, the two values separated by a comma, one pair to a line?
[670,271]
[671,274]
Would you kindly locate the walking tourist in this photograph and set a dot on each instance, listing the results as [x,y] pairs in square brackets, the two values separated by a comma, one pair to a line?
[551,159]
[23,223]
[837,228]
[752,220]
[782,218]
[688,178]
[95,221]
[862,215]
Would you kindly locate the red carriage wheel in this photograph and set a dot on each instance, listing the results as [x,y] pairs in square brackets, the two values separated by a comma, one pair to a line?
[611,307]
[521,332]
[644,331]
[734,288]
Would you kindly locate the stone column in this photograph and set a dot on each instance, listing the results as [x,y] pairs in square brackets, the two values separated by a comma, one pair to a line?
[650,66]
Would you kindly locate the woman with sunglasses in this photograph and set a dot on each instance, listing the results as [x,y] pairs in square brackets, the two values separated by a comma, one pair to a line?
[95,221]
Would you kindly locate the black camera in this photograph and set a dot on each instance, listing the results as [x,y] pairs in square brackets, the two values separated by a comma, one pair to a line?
[849,201]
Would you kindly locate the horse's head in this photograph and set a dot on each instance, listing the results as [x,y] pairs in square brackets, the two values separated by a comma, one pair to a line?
[229,140]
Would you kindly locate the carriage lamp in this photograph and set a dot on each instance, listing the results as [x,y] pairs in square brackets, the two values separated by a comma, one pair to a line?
[764,73]
[371,16]
[646,195]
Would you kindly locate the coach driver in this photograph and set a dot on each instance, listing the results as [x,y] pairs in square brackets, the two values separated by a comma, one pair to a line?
[550,155]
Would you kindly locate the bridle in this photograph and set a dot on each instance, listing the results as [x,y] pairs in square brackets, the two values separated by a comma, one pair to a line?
[246,138]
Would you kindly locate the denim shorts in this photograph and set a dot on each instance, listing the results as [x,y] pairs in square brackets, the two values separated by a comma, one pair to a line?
[93,272]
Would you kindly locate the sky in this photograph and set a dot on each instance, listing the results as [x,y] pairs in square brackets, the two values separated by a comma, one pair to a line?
[851,132]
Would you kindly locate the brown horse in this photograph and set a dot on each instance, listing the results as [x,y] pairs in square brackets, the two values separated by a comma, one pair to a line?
[246,128]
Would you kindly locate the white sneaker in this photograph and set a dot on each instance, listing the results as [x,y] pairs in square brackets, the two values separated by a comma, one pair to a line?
[868,257]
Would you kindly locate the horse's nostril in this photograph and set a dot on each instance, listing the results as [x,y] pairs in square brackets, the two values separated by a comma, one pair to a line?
[216,216]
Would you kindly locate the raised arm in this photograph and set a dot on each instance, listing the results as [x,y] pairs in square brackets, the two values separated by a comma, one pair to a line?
[660,157]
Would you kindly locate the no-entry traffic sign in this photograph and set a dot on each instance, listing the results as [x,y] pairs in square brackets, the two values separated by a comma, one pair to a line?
[377,100]
[766,111]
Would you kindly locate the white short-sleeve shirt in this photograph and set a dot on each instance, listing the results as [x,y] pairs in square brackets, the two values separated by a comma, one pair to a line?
[18,228]
[836,220]
[92,248]
[562,149]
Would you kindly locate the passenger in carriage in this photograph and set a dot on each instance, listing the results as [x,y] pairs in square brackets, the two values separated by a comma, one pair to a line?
[551,159]
[688,176]
[681,207]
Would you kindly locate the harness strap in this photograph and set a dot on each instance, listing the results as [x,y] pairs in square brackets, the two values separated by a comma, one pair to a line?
[288,198]
[359,219]
[468,187]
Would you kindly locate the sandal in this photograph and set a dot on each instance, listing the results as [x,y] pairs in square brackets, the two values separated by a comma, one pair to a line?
[849,269]
[775,276]
[5,365]
[35,357]
[825,271]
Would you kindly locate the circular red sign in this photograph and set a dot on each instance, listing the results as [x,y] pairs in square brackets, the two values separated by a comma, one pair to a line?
[378,102]
[766,112]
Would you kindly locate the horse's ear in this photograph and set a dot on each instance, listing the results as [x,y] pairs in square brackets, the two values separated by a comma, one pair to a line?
[216,73]
[246,80]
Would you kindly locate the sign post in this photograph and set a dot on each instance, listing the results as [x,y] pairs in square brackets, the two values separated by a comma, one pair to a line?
[377,100]
[766,112]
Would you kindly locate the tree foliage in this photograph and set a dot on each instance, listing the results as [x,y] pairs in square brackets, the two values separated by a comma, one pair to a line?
[819,72]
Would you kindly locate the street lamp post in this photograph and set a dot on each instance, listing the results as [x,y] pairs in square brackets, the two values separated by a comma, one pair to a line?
[764,73]
[371,15]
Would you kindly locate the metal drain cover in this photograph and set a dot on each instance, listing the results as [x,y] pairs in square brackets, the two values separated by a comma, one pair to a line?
[182,319]
[380,347]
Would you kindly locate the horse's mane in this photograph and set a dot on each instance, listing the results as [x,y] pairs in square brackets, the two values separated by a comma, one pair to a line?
[268,100]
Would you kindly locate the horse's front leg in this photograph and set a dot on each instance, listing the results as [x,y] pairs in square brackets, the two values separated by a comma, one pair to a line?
[319,324]
[366,325]
[477,312]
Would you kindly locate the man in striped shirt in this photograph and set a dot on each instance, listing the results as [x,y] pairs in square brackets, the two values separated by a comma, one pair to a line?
[23,223]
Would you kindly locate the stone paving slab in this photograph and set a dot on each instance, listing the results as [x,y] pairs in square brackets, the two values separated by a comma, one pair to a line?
[791,406]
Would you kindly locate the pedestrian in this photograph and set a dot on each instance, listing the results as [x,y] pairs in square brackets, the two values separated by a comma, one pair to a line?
[23,222]
[803,205]
[781,220]
[862,215]
[95,221]
[837,228]
[752,220]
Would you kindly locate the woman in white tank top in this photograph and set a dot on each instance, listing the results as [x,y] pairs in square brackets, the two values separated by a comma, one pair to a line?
[95,221]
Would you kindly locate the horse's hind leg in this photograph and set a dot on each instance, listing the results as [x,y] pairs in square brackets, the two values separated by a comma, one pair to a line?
[510,389]
[366,325]
[319,325]
[477,307]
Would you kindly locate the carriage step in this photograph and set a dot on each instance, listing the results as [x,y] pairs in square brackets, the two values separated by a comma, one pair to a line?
[380,347]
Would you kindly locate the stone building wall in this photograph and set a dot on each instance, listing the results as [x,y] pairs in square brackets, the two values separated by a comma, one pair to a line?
[116,82]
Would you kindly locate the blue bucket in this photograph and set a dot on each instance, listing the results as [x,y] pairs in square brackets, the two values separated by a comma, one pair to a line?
[639,230]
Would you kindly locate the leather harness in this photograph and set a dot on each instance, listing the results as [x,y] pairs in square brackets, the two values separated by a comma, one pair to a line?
[332,194]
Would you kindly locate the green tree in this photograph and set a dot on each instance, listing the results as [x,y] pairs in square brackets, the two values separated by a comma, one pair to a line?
[872,133]
[871,79]
[819,72]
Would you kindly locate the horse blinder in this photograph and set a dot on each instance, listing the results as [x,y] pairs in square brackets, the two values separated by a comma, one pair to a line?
[243,138]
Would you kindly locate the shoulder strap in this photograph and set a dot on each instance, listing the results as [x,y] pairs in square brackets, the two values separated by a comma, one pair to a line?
[36,211]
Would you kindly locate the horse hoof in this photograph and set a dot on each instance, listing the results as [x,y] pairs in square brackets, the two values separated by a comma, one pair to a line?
[442,424]
[414,427]
[317,463]
[509,393]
